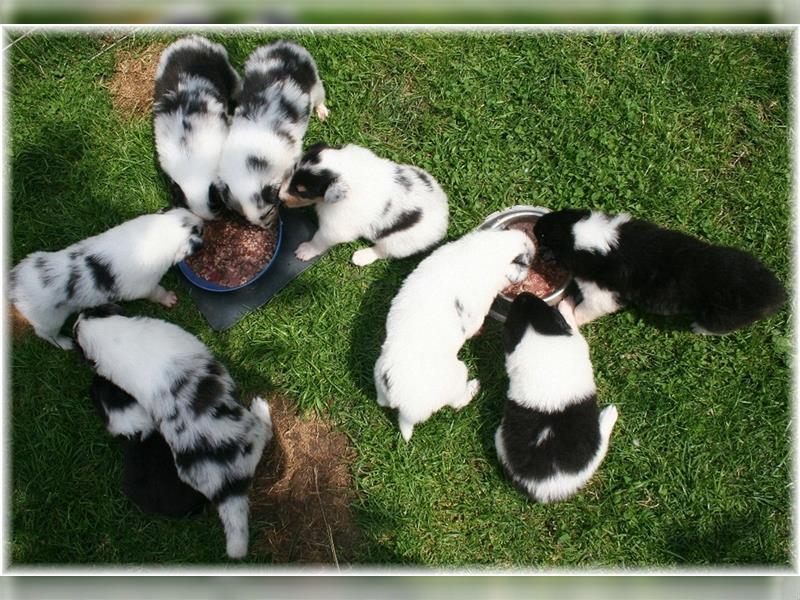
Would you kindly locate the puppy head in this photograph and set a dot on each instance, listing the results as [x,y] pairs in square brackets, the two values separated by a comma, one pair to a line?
[198,193]
[83,336]
[311,181]
[555,232]
[180,230]
[528,311]
[524,252]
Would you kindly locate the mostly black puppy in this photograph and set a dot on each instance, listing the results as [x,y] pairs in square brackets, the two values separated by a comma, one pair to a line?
[618,261]
[552,437]
[150,478]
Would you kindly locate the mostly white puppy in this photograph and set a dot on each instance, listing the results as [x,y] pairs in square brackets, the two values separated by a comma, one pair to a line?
[281,86]
[552,438]
[124,263]
[441,304]
[195,87]
[150,478]
[619,261]
[192,400]
[401,208]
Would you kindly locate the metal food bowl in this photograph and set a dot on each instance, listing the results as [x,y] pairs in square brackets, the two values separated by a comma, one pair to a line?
[501,220]
[215,287]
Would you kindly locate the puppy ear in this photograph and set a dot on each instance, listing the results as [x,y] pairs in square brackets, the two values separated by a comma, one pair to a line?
[336,191]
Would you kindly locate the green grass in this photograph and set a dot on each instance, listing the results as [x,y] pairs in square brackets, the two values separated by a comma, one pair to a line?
[689,131]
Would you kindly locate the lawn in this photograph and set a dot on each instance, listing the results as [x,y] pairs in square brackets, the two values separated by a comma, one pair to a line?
[688,131]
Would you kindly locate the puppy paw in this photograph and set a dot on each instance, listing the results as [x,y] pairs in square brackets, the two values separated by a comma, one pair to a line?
[63,342]
[306,251]
[364,257]
[699,329]
[169,299]
[322,112]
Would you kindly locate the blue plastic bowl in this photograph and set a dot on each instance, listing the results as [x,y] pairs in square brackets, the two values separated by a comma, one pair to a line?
[215,287]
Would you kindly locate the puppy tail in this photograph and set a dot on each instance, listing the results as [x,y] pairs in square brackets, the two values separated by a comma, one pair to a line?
[406,426]
[608,417]
[260,409]
[19,324]
[233,512]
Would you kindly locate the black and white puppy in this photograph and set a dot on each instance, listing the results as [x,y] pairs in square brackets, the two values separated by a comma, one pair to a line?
[124,263]
[618,261]
[192,400]
[195,86]
[552,437]
[281,86]
[357,194]
[150,478]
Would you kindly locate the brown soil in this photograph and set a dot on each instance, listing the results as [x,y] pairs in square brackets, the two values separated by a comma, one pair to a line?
[304,487]
[132,85]
[19,324]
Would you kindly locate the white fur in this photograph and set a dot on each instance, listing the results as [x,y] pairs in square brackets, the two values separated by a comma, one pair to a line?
[596,302]
[254,134]
[599,232]
[147,358]
[189,146]
[549,372]
[564,485]
[369,199]
[424,331]
[138,253]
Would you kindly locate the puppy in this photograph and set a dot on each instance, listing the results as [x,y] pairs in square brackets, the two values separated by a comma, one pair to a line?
[617,261]
[440,305]
[191,399]
[150,478]
[194,91]
[357,194]
[281,86]
[551,439]
[124,263]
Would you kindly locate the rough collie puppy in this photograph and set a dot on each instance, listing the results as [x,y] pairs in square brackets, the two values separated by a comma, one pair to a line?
[124,263]
[281,86]
[195,86]
[150,478]
[552,438]
[400,208]
[191,398]
[617,261]
[440,305]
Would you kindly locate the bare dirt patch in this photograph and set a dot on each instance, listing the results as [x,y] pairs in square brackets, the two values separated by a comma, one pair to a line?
[304,487]
[132,85]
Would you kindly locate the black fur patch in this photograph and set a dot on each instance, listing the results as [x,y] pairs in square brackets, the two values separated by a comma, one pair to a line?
[102,311]
[73,255]
[102,276]
[295,66]
[424,178]
[526,311]
[387,207]
[312,155]
[285,135]
[257,163]
[572,443]
[289,111]
[205,451]
[405,220]
[227,411]
[45,271]
[387,385]
[72,282]
[459,307]
[401,179]
[178,385]
[234,487]
[108,397]
[215,202]
[206,394]
[177,195]
[315,184]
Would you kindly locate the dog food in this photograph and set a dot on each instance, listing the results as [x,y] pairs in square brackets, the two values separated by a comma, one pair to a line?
[545,275]
[233,251]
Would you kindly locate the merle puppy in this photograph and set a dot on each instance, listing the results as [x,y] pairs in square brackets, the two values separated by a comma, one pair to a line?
[126,262]
[618,261]
[552,437]
[401,208]
[281,86]
[194,91]
[150,478]
[191,399]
